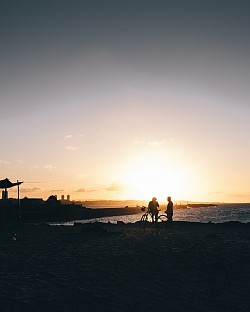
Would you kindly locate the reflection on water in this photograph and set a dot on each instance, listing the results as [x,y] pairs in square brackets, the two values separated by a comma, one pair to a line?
[219,214]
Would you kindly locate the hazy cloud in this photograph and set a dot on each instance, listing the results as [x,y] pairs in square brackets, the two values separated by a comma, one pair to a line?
[56,191]
[4,162]
[81,176]
[71,148]
[215,193]
[241,195]
[81,190]
[154,142]
[50,167]
[19,161]
[157,143]
[33,167]
[30,190]
[68,136]
[116,187]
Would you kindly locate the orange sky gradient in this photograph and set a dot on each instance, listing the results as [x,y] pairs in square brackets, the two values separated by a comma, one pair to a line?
[119,100]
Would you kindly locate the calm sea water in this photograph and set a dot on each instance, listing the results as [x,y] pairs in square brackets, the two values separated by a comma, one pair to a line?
[219,214]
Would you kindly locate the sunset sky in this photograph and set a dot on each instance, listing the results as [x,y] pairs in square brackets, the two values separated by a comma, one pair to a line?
[122,99]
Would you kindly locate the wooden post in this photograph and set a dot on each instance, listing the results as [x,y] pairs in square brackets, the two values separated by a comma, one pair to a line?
[18,199]
[4,204]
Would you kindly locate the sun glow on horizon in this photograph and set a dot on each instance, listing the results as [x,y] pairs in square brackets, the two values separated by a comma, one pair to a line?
[155,177]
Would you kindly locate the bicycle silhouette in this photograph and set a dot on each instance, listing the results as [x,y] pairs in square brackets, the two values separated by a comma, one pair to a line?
[147,217]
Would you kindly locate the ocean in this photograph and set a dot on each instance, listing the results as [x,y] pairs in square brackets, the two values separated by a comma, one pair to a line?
[218,214]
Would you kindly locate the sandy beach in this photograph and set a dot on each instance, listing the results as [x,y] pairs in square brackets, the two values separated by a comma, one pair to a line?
[125,267]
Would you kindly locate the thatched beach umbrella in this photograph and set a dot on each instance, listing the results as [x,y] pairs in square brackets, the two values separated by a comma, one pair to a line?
[4,184]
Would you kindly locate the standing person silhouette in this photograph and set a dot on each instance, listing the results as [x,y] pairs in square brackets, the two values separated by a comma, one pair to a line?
[170,210]
[153,206]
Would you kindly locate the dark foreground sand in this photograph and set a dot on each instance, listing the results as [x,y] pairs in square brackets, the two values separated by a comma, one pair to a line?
[186,267]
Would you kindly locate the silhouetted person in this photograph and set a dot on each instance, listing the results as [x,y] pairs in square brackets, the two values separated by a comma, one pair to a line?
[153,206]
[170,209]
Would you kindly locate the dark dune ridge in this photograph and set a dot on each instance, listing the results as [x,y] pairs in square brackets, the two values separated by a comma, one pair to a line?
[63,213]
[125,267]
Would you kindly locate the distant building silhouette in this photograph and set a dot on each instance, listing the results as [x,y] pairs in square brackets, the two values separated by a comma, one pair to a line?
[31,202]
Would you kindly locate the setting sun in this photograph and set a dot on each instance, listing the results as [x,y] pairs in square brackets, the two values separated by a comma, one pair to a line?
[154,177]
